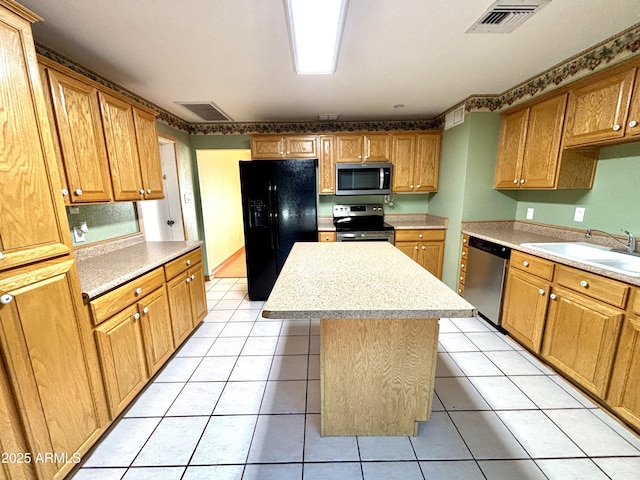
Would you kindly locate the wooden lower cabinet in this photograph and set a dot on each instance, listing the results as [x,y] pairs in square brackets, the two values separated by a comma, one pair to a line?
[425,247]
[525,307]
[197,294]
[157,335]
[51,364]
[180,307]
[581,337]
[326,236]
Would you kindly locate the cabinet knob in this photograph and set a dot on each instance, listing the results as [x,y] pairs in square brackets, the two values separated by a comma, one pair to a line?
[78,191]
[188,279]
[416,247]
[138,291]
[460,290]
[553,296]
[633,123]
[584,283]
[136,316]
[1,255]
[616,128]
[6,298]
[462,266]
[522,180]
[148,190]
[418,186]
[515,180]
[461,277]
[330,188]
[424,248]
[464,240]
[419,235]
[411,187]
[360,157]
[188,262]
[141,191]
[145,310]
[541,292]
[525,263]
[464,253]
[65,191]
[193,277]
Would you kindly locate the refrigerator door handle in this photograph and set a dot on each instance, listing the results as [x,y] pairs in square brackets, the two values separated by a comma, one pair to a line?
[271,218]
[274,206]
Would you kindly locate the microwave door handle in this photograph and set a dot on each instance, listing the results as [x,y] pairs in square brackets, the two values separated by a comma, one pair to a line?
[381,178]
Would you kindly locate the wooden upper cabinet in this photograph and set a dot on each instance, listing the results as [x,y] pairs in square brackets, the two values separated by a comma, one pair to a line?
[598,108]
[326,164]
[79,127]
[404,155]
[149,152]
[349,148]
[269,147]
[119,130]
[355,148]
[377,147]
[530,154]
[427,167]
[32,212]
[633,120]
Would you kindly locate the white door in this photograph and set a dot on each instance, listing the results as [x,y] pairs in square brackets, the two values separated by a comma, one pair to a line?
[162,219]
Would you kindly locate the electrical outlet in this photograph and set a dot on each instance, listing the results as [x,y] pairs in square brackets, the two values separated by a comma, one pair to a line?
[529,213]
[78,234]
[579,215]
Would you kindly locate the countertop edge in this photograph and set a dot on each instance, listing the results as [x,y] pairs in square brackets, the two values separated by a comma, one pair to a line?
[360,314]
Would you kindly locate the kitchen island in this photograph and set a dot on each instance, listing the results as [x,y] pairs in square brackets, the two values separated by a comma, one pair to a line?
[378,312]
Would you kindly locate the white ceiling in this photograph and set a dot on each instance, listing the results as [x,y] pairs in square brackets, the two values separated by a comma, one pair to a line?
[236,53]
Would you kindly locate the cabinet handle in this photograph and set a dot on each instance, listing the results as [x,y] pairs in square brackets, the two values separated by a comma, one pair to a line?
[188,279]
[136,316]
[460,290]
[464,253]
[553,296]
[464,240]
[416,247]
[419,235]
[424,248]
[145,310]
[138,291]
[616,127]
[461,277]
[525,263]
[78,191]
[141,191]
[188,262]
[522,180]
[6,298]
[584,284]
[633,123]
[541,292]
[65,191]
[411,187]
[418,186]
[148,190]
[193,277]
[515,180]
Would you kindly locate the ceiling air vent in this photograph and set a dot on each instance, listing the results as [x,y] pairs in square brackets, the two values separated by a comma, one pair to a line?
[207,111]
[504,16]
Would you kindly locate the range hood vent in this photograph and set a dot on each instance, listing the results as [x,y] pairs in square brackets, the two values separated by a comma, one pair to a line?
[504,16]
[207,111]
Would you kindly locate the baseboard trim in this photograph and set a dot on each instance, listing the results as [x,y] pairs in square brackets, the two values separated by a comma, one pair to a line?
[226,262]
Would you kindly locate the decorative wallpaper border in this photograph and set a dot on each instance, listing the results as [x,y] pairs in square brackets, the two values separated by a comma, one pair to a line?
[621,46]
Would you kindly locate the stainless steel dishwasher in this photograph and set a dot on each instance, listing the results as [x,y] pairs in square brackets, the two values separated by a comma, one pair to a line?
[486,274]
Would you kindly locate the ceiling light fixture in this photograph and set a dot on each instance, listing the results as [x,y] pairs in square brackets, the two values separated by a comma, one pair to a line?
[316,29]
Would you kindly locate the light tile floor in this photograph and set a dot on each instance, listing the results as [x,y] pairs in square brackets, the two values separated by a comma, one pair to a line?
[241,399]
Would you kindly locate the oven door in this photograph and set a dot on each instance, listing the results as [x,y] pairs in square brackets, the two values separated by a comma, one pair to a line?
[366,236]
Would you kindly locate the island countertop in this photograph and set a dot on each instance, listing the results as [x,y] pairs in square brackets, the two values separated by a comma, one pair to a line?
[359,280]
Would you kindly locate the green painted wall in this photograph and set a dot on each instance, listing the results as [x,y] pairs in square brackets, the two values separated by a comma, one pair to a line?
[104,221]
[611,205]
[402,202]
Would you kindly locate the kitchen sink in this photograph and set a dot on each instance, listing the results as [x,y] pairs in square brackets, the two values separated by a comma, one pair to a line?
[594,255]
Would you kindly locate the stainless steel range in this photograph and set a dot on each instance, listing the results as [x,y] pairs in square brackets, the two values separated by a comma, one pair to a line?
[361,223]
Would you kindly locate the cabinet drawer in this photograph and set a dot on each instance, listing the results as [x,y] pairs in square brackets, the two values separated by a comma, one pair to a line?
[326,236]
[180,264]
[462,276]
[533,265]
[464,253]
[636,302]
[111,303]
[594,286]
[419,235]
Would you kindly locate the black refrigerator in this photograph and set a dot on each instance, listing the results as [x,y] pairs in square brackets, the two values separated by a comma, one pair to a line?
[278,209]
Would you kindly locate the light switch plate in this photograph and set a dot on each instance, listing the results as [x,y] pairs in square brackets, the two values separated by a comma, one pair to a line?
[529,213]
[579,215]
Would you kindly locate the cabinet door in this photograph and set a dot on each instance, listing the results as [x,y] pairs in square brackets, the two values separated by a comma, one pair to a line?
[77,115]
[46,344]
[180,308]
[525,307]
[427,166]
[404,156]
[377,147]
[411,249]
[633,120]
[301,146]
[513,132]
[624,394]
[266,147]
[542,146]
[119,131]
[349,148]
[580,338]
[149,152]
[327,165]
[32,209]
[122,356]
[155,322]
[197,294]
[430,257]
[598,109]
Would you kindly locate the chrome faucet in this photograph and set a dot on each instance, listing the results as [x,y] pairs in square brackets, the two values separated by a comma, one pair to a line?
[630,246]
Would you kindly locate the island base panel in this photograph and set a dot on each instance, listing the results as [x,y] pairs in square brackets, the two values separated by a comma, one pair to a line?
[377,375]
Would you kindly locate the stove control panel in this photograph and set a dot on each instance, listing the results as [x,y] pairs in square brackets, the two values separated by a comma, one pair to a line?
[358,210]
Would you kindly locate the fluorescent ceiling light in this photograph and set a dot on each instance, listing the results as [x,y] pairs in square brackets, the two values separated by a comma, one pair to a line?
[316,29]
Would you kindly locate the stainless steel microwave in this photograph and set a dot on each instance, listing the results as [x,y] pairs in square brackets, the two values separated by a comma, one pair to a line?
[363,178]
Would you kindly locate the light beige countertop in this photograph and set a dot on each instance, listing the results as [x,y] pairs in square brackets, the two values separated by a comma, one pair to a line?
[399,222]
[359,280]
[101,273]
[513,234]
